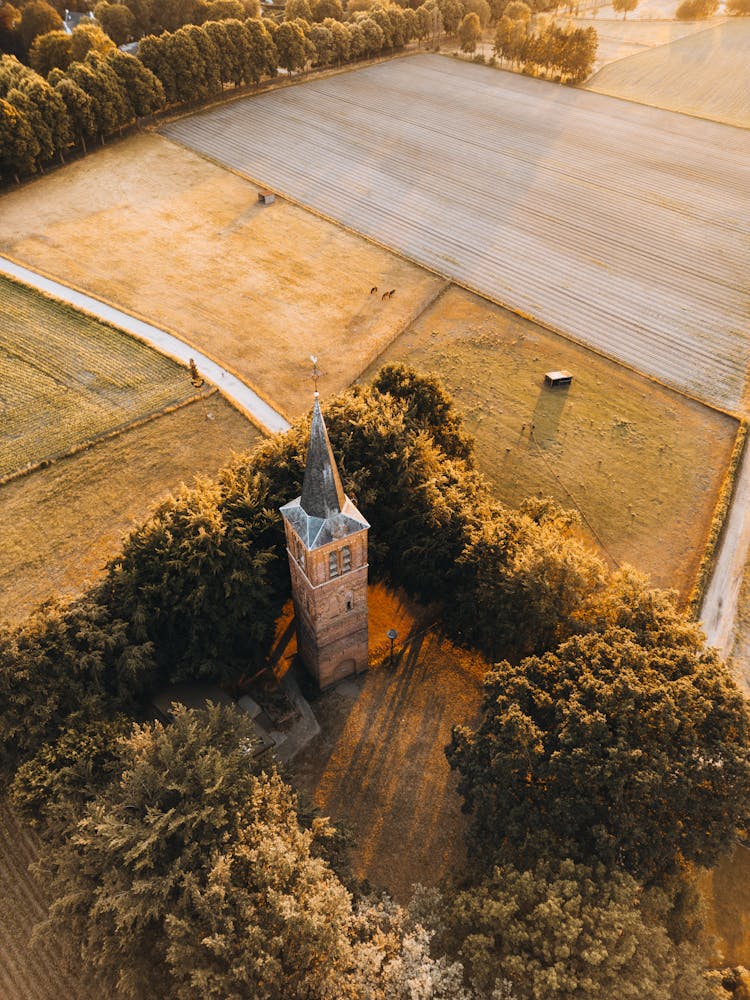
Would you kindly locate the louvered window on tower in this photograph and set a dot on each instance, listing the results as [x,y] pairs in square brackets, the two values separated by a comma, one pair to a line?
[333,564]
[346,559]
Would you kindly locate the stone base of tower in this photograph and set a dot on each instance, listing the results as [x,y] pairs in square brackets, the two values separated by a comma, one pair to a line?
[332,661]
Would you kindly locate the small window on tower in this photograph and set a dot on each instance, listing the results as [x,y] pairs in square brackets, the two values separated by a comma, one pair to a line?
[346,559]
[333,564]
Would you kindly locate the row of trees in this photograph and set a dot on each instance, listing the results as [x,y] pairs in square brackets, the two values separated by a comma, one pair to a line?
[566,54]
[40,119]
[612,754]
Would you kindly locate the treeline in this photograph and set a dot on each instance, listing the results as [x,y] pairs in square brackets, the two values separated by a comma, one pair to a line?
[565,54]
[612,756]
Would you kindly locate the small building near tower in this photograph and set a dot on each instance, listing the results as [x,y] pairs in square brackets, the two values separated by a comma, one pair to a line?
[326,541]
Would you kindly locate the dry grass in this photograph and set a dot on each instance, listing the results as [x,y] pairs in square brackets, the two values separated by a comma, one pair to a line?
[643,463]
[379,763]
[706,74]
[60,525]
[67,378]
[163,233]
[619,39]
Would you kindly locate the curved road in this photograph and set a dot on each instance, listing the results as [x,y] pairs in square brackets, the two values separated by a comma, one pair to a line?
[227,383]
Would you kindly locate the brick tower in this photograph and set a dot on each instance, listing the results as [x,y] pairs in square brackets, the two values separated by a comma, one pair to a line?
[326,541]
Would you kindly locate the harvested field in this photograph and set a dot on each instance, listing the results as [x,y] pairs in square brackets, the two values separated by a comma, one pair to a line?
[26,973]
[379,764]
[168,236]
[66,378]
[619,39]
[706,74]
[61,524]
[621,225]
[643,463]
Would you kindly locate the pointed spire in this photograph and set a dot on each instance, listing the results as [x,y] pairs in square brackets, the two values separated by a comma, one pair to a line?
[322,493]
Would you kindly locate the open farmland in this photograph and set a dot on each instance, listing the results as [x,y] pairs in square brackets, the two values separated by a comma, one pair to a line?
[706,74]
[183,243]
[620,38]
[61,524]
[643,463]
[623,226]
[66,378]
[26,973]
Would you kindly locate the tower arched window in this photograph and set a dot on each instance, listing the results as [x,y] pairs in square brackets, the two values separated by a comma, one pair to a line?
[346,559]
[333,564]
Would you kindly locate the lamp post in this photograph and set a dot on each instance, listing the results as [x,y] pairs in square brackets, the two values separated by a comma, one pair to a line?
[392,635]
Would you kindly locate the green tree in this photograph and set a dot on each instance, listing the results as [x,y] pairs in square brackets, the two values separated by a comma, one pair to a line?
[50,51]
[469,33]
[19,149]
[636,755]
[79,107]
[263,56]
[143,13]
[517,10]
[109,103]
[200,577]
[51,790]
[624,6]
[64,667]
[46,114]
[383,19]
[222,10]
[145,93]
[292,46]
[373,40]
[10,20]
[89,38]
[566,930]
[205,864]
[481,8]
[37,18]
[451,12]
[738,7]
[322,39]
[328,10]
[155,54]
[696,10]
[117,20]
[298,9]
[340,40]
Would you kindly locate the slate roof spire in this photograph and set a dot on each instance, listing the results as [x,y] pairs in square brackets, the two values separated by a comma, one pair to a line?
[322,492]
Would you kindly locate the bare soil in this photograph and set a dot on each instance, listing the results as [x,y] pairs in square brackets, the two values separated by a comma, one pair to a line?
[41,971]
[171,237]
[61,524]
[620,38]
[643,463]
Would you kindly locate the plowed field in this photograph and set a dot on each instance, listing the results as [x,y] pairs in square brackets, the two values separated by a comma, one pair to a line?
[623,226]
[27,973]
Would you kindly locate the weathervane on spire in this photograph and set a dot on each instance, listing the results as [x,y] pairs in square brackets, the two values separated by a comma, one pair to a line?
[316,373]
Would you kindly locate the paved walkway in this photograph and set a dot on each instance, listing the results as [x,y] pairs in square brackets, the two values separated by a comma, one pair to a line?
[227,383]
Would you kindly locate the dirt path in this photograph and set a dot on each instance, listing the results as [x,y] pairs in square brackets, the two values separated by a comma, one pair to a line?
[229,385]
[720,602]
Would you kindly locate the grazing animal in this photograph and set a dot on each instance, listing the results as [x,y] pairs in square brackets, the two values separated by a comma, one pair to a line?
[384,296]
[391,293]
[373,289]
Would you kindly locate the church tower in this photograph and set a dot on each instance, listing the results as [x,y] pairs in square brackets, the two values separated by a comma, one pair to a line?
[326,541]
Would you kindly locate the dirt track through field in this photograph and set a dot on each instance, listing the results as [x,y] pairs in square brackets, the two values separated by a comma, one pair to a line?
[623,226]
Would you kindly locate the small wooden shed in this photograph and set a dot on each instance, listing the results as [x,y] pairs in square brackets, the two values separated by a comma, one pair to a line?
[266,197]
[558,378]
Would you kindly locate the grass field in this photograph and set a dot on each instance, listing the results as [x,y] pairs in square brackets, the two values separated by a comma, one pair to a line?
[619,39]
[379,764]
[621,225]
[26,973]
[643,463]
[60,525]
[66,378]
[706,74]
[257,288]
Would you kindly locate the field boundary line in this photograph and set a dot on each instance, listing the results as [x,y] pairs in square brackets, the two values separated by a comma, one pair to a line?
[115,432]
[235,389]
[452,280]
